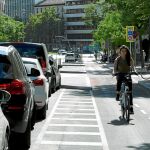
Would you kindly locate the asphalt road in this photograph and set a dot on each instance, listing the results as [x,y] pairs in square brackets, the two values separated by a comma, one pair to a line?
[83,114]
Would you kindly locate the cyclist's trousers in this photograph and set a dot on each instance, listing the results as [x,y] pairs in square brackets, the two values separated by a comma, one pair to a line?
[120,78]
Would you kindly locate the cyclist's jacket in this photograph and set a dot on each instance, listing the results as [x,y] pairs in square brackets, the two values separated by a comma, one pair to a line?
[121,66]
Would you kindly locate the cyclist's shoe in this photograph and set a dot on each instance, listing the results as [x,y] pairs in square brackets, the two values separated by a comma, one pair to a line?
[131,110]
[117,97]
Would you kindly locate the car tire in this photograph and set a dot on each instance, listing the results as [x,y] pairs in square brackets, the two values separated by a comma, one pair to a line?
[42,112]
[6,147]
[54,86]
[20,140]
[26,137]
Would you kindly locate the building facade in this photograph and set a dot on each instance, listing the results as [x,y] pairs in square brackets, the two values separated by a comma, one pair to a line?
[2,3]
[76,31]
[20,9]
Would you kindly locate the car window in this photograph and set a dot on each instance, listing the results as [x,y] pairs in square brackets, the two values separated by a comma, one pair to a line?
[30,65]
[30,51]
[5,68]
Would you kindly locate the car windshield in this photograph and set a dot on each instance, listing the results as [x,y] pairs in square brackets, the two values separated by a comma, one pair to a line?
[5,68]
[30,51]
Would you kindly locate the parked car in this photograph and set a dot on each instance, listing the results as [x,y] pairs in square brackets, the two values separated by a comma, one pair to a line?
[56,76]
[20,109]
[70,57]
[62,52]
[4,125]
[41,85]
[34,50]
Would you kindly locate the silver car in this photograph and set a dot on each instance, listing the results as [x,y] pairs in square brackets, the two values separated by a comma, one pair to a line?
[4,125]
[41,85]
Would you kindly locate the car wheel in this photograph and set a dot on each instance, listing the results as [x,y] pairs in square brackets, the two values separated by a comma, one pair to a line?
[33,120]
[54,86]
[59,86]
[26,137]
[6,142]
[42,112]
[19,140]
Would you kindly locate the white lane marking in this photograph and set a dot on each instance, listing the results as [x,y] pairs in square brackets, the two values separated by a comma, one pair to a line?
[72,143]
[72,105]
[100,125]
[76,98]
[73,133]
[79,102]
[136,105]
[77,109]
[143,111]
[43,129]
[86,114]
[73,125]
[80,119]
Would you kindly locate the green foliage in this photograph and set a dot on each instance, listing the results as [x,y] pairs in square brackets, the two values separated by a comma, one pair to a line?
[10,30]
[42,26]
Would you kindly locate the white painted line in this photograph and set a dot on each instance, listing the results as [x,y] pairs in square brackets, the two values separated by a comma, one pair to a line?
[72,133]
[86,114]
[72,143]
[80,119]
[79,102]
[143,111]
[76,98]
[73,125]
[45,126]
[76,105]
[77,109]
[100,125]
[136,105]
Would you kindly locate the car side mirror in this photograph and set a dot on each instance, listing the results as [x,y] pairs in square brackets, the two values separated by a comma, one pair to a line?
[34,72]
[4,96]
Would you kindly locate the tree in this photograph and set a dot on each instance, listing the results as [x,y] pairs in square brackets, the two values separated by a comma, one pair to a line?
[43,27]
[10,30]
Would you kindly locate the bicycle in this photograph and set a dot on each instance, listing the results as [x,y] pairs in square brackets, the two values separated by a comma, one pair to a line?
[124,97]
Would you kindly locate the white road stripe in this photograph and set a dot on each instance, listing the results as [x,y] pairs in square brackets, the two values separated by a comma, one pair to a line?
[80,119]
[86,114]
[143,111]
[77,109]
[76,105]
[136,105]
[73,133]
[44,127]
[72,143]
[79,102]
[73,125]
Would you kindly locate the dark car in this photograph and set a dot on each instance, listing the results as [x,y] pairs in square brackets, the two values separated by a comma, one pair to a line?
[56,76]
[34,50]
[20,109]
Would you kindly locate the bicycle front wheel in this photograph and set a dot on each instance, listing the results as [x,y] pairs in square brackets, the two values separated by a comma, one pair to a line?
[127,109]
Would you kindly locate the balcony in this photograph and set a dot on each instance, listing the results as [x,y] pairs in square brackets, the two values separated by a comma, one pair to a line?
[78,31]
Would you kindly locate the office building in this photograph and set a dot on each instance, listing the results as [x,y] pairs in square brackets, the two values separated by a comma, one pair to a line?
[76,31]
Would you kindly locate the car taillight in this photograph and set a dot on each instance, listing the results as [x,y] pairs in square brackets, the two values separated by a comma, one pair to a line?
[38,82]
[17,87]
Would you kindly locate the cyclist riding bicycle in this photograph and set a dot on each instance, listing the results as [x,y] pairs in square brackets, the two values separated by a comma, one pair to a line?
[123,65]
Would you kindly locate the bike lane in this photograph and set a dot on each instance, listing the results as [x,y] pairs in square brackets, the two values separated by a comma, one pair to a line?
[74,122]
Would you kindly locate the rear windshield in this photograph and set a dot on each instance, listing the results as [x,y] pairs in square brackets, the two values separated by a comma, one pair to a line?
[28,50]
[6,71]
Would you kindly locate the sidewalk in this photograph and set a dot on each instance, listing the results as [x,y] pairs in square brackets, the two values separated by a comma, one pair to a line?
[136,79]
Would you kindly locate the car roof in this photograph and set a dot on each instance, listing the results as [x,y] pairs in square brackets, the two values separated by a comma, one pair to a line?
[5,50]
[17,43]
[30,59]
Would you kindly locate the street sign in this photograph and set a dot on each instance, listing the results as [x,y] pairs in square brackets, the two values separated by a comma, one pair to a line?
[130,34]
